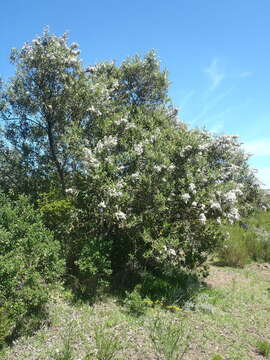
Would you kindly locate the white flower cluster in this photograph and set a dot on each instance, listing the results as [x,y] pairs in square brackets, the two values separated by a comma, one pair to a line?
[169,251]
[214,205]
[120,215]
[185,150]
[115,192]
[90,159]
[94,110]
[138,148]
[203,147]
[108,142]
[192,188]
[102,205]
[230,197]
[72,191]
[130,125]
[202,218]
[121,121]
[233,215]
[135,176]
[185,197]
[120,184]
[158,168]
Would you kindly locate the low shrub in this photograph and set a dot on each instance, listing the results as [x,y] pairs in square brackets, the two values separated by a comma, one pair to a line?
[247,241]
[134,302]
[29,261]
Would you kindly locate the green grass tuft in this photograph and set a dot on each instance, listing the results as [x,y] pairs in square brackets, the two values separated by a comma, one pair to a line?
[263,348]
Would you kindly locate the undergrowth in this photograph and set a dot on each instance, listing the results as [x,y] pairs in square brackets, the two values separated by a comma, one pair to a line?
[247,241]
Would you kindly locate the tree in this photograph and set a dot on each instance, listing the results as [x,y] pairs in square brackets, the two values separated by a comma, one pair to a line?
[52,101]
[46,98]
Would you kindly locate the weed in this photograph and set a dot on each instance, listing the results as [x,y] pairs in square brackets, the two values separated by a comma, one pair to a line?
[263,348]
[67,351]
[170,338]
[217,357]
[206,308]
[107,343]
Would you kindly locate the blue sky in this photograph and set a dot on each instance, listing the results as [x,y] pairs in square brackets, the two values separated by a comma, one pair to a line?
[217,53]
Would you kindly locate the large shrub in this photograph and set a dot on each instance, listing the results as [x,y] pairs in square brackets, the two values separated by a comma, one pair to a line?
[29,261]
[153,194]
[145,191]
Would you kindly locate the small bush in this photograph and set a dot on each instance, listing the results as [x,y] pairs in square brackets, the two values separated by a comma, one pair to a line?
[134,302]
[29,261]
[260,219]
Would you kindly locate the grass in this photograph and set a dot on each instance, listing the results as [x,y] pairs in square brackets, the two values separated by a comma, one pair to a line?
[263,348]
[170,338]
[229,319]
[107,342]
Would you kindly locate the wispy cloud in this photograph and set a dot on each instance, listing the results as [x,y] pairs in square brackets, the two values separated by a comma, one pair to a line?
[214,100]
[215,74]
[209,105]
[245,74]
[258,147]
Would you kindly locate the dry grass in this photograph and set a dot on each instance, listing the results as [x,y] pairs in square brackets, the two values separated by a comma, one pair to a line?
[228,319]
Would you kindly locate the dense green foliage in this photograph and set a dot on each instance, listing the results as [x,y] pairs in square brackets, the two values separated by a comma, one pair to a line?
[29,261]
